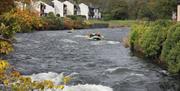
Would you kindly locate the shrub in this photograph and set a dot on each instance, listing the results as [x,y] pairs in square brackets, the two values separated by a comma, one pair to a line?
[51,22]
[5,47]
[87,24]
[79,21]
[136,35]
[107,17]
[153,38]
[26,19]
[76,17]
[8,32]
[68,23]
[171,49]
[148,37]
[158,40]
[6,5]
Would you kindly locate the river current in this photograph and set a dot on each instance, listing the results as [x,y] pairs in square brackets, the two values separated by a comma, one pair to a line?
[100,65]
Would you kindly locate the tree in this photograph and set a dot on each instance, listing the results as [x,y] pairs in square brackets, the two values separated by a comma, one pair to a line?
[6,5]
[164,8]
[152,9]
[26,3]
[119,9]
[145,13]
[135,8]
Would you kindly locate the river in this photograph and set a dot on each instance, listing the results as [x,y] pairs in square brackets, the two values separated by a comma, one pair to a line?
[105,62]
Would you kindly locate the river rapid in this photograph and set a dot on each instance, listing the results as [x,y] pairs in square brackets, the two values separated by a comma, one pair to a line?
[95,65]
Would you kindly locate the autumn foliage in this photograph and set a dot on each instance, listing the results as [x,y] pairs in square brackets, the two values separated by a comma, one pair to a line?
[27,19]
[6,5]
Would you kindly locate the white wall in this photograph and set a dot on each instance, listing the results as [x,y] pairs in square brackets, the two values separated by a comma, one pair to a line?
[19,5]
[48,8]
[36,6]
[70,8]
[178,13]
[97,14]
[84,10]
[58,7]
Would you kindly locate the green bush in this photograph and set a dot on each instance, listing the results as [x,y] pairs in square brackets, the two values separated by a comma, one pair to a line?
[107,17]
[78,21]
[27,20]
[147,37]
[136,34]
[153,38]
[76,17]
[158,40]
[171,49]
[51,22]
[8,32]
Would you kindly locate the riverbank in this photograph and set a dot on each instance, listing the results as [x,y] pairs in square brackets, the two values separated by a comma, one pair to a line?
[114,23]
[159,41]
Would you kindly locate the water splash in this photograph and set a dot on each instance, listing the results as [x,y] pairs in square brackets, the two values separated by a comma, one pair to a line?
[80,36]
[57,79]
[68,41]
[104,42]
[87,87]
[113,42]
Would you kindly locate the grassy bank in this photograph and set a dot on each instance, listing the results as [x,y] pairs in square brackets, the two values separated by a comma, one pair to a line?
[115,23]
[158,40]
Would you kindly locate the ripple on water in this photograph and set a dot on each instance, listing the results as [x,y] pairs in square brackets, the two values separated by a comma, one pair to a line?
[68,41]
[98,62]
[80,36]
[104,42]
[118,70]
[136,78]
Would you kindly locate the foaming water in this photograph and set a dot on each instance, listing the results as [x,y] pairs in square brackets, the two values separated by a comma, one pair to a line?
[87,87]
[104,42]
[57,79]
[80,36]
[113,42]
[68,41]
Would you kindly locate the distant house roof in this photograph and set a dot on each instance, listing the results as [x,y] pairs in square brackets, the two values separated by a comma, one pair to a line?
[90,5]
[71,1]
[49,2]
[67,2]
[83,3]
[57,1]
[43,3]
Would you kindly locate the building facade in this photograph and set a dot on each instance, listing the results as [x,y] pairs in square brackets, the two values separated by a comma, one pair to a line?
[58,8]
[69,7]
[178,11]
[63,9]
[43,8]
[84,10]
